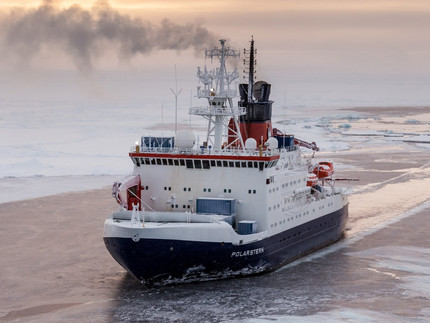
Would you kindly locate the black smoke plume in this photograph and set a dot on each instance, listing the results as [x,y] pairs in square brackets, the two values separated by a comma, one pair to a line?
[85,35]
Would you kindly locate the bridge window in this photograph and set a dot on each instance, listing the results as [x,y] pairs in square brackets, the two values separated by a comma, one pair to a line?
[218,163]
[198,163]
[206,164]
[190,163]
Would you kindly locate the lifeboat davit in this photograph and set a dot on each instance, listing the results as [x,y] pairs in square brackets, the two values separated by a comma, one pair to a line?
[324,169]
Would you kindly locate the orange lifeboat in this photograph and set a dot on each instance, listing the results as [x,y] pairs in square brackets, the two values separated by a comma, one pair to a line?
[312,180]
[128,192]
[323,169]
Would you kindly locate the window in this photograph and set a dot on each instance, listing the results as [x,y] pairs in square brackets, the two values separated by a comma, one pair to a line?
[206,164]
[164,161]
[224,163]
[243,164]
[198,163]
[213,163]
[237,164]
[218,163]
[170,162]
[189,163]
[176,162]
[231,164]
[182,162]
[250,164]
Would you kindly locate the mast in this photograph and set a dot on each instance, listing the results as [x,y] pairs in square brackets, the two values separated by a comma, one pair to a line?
[216,89]
[251,70]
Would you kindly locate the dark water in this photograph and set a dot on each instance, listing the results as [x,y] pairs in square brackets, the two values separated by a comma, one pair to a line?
[373,277]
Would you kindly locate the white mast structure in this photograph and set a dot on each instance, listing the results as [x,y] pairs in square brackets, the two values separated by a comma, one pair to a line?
[216,88]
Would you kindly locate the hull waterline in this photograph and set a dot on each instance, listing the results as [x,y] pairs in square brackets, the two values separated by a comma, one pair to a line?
[164,261]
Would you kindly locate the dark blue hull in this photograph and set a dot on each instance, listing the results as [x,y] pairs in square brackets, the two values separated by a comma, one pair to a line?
[153,260]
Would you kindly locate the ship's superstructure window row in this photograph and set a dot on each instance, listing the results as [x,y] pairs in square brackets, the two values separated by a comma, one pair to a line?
[203,163]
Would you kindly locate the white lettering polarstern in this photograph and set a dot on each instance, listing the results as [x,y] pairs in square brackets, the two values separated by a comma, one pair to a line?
[251,252]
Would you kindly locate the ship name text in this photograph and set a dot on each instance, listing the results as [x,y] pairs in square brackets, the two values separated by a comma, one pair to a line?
[251,252]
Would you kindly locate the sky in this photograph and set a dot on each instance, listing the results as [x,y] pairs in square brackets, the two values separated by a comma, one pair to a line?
[293,37]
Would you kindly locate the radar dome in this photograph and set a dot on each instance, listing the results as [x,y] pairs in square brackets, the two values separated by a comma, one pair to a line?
[250,144]
[271,143]
[185,139]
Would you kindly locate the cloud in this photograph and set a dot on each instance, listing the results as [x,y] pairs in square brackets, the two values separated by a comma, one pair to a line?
[86,35]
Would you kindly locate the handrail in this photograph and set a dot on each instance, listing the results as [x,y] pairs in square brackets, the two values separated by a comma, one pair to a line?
[217,110]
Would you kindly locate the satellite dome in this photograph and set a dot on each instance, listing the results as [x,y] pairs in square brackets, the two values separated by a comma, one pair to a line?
[271,143]
[185,139]
[250,144]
